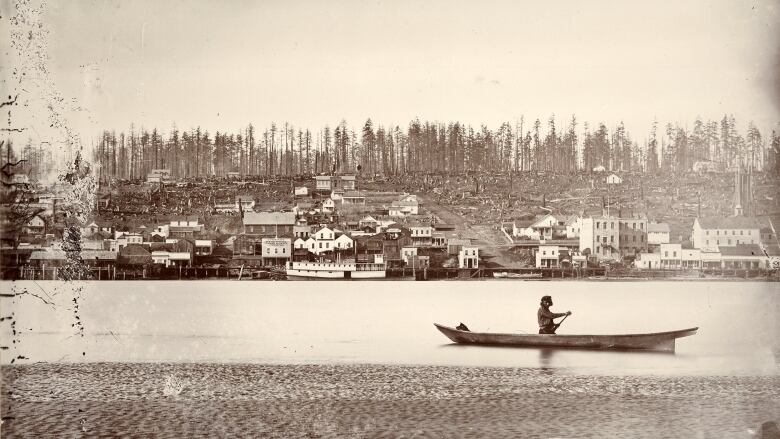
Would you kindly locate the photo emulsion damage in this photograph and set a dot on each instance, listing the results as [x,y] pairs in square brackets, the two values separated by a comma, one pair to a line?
[505,219]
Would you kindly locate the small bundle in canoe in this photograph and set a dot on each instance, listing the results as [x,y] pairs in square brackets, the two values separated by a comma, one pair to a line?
[657,341]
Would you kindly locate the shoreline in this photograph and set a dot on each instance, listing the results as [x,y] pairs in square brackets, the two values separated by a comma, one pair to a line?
[453,279]
[213,399]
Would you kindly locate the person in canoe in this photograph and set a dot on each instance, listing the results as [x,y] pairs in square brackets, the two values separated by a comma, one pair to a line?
[545,316]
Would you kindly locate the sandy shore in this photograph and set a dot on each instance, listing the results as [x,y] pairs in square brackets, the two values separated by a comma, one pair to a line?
[218,400]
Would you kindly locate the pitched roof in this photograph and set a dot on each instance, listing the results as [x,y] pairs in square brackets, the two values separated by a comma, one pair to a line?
[267,218]
[742,250]
[732,222]
[658,228]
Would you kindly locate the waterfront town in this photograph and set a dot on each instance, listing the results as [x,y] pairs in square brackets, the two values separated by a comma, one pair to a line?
[526,225]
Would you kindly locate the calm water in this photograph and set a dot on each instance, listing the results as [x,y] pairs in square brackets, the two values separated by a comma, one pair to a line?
[392,323]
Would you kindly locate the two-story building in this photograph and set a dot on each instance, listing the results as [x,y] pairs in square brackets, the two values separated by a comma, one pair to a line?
[468,257]
[671,256]
[325,240]
[421,235]
[184,227]
[276,251]
[713,233]
[269,224]
[657,234]
[548,256]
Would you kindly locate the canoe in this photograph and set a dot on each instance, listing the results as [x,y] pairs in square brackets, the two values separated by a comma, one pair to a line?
[657,341]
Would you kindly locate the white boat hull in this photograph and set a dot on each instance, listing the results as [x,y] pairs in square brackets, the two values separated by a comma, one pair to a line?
[304,270]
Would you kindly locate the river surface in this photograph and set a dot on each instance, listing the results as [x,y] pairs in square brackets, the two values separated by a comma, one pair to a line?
[390,323]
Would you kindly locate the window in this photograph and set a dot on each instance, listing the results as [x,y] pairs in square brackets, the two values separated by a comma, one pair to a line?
[634,238]
[276,251]
[666,254]
[553,253]
[597,238]
[612,238]
[604,239]
[733,232]
[674,254]
[718,242]
[729,241]
[597,225]
[707,242]
[544,253]
[741,232]
[707,232]
[611,225]
[320,244]
[633,225]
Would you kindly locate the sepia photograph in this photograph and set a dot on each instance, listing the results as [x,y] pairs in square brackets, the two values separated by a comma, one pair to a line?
[390,219]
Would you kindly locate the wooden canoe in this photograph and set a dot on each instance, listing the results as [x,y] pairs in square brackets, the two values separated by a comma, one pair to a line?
[658,341]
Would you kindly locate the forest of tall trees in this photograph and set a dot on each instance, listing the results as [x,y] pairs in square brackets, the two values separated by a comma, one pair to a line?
[432,147]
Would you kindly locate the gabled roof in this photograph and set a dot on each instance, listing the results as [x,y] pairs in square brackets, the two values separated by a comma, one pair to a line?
[269,218]
[732,222]
[542,218]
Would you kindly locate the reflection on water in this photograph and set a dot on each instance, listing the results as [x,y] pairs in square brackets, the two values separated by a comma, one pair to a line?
[545,357]
[392,323]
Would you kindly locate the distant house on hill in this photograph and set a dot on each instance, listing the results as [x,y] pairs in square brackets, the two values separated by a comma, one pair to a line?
[614,179]
[159,176]
[353,197]
[599,168]
[245,203]
[408,205]
[704,166]
[301,191]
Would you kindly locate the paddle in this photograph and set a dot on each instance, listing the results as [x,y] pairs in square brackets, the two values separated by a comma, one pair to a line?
[561,322]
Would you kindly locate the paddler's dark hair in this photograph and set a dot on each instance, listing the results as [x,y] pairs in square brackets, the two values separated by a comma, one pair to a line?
[547,299]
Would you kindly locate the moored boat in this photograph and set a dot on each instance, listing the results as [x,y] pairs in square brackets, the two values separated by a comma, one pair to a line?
[658,341]
[335,270]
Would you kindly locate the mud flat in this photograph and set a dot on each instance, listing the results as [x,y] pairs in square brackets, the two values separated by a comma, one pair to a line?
[216,400]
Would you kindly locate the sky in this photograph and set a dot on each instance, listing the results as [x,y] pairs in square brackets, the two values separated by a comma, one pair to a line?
[222,65]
